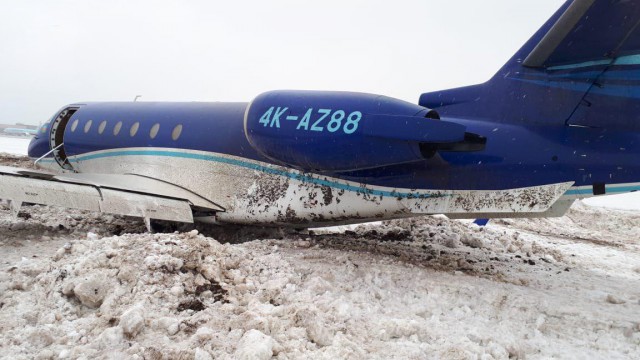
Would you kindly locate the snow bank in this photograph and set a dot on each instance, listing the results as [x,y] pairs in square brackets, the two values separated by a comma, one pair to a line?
[427,287]
[14,145]
[78,285]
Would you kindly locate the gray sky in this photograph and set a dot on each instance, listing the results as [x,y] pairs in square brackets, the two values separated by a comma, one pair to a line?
[58,52]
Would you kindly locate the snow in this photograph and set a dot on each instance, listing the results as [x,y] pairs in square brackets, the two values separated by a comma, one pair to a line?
[14,145]
[81,285]
[629,201]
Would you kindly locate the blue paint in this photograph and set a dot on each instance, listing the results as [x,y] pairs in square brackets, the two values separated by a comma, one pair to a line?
[624,91]
[342,131]
[580,65]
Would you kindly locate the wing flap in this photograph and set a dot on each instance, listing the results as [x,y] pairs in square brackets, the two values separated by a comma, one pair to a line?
[37,191]
[145,206]
[26,186]
[137,184]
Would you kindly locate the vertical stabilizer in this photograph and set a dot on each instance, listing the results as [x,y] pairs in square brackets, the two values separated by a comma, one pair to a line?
[582,68]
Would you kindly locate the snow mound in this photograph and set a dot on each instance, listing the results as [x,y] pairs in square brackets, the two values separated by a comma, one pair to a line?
[80,285]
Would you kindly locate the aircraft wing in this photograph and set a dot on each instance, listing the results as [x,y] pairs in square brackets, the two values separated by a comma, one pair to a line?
[597,31]
[130,195]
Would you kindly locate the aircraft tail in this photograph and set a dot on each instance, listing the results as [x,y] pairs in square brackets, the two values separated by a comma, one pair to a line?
[582,68]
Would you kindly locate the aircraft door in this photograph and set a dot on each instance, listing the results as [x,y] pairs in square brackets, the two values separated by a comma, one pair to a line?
[56,137]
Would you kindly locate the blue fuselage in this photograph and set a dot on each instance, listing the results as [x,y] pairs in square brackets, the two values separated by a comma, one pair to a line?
[515,155]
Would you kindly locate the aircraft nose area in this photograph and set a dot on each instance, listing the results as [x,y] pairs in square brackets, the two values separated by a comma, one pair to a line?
[37,147]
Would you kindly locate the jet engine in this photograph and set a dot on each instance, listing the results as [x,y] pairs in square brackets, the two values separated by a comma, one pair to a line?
[344,131]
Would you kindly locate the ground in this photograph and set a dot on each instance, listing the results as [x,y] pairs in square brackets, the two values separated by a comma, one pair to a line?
[79,285]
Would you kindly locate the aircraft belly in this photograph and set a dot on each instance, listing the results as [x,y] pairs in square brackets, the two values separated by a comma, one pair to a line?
[255,192]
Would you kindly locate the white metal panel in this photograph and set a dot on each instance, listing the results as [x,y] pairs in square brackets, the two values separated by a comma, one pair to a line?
[536,199]
[22,189]
[557,210]
[145,206]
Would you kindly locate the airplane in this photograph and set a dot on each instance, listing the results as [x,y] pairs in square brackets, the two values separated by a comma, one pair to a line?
[559,122]
[19,131]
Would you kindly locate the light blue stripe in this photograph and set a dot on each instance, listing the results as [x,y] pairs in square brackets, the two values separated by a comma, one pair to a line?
[585,75]
[624,91]
[580,65]
[623,60]
[620,189]
[624,189]
[628,60]
[248,165]
[579,192]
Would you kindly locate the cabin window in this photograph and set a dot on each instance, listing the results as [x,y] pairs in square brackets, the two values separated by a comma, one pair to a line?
[87,126]
[116,129]
[134,129]
[74,125]
[154,131]
[102,126]
[175,134]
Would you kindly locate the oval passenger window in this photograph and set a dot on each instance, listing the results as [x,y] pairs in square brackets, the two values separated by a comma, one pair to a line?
[134,129]
[175,134]
[102,126]
[87,126]
[154,131]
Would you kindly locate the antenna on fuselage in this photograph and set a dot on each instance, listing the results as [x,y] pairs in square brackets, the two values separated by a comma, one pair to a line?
[136,98]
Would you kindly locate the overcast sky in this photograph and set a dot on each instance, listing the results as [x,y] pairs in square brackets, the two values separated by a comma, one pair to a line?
[58,52]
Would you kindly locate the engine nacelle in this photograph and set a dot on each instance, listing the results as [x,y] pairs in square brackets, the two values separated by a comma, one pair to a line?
[341,131]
